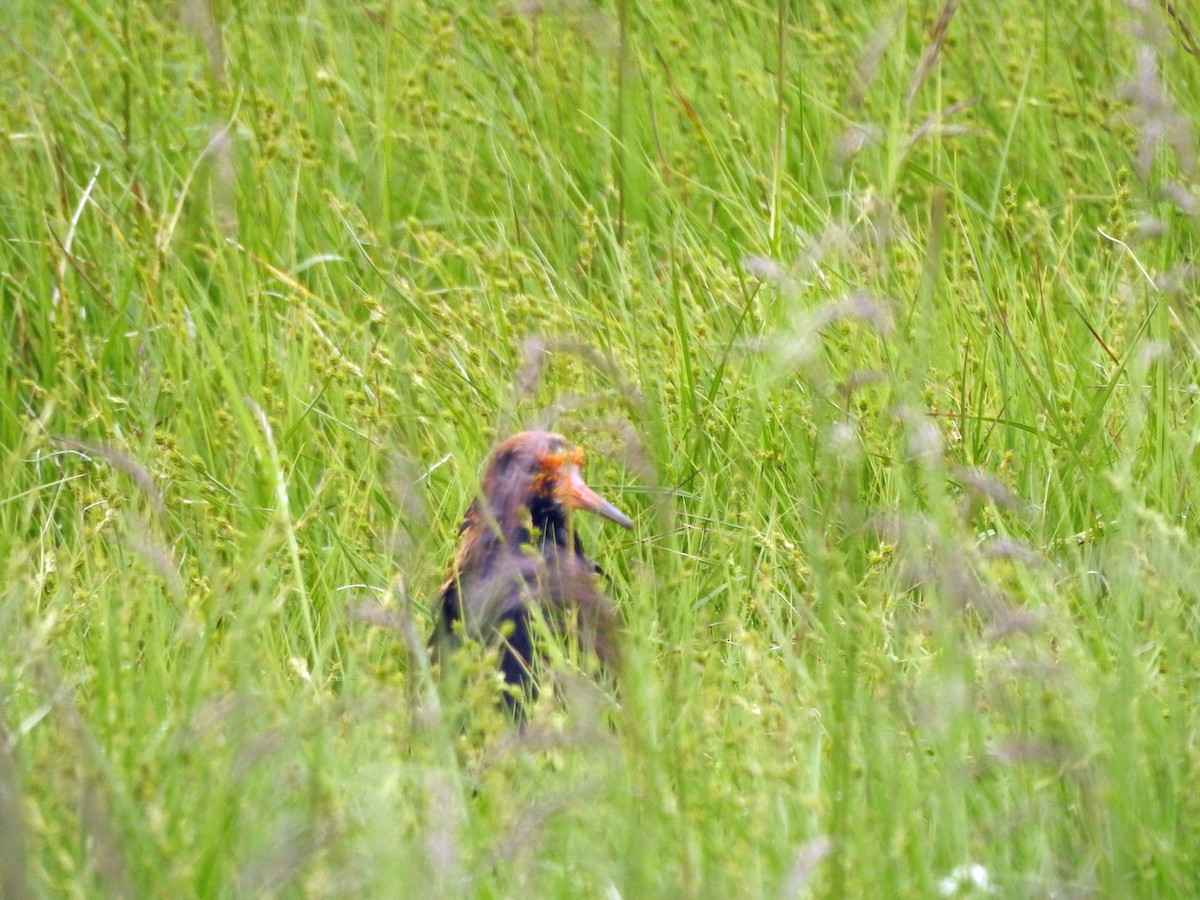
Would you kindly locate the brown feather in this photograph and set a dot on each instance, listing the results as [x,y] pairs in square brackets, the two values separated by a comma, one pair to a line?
[518,549]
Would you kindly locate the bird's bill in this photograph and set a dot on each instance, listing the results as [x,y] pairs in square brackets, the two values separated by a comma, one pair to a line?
[580,496]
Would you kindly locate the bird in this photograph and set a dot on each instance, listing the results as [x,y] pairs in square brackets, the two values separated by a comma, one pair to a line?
[519,549]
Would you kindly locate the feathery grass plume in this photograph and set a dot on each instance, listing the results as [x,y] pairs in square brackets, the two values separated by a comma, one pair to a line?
[293,849]
[799,346]
[1186,199]
[854,139]
[923,440]
[858,380]
[933,50]
[937,123]
[1016,750]
[1183,31]
[868,60]
[14,879]
[223,185]
[198,16]
[443,835]
[634,453]
[966,880]
[1157,119]
[981,487]
[123,462]
[804,866]
[599,26]
[844,441]
[834,239]
[534,352]
[406,485]
[997,547]
[859,135]
[90,782]
[766,269]
[930,560]
[158,556]
[219,151]
[1178,280]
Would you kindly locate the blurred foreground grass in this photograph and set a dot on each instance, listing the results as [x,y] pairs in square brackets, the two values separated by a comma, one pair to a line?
[879,316]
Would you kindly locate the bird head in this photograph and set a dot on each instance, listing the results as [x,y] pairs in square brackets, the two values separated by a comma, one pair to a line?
[539,474]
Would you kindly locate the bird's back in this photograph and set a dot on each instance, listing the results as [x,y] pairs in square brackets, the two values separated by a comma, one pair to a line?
[492,597]
[519,558]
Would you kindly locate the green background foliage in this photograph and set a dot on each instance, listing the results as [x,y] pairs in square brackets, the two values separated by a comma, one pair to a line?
[877,317]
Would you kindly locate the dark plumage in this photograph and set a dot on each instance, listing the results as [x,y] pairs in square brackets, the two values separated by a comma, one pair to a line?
[519,548]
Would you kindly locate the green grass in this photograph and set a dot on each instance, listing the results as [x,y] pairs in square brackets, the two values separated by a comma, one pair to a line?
[890,348]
